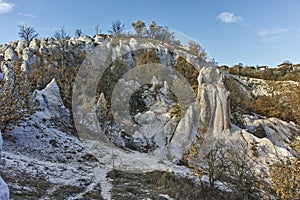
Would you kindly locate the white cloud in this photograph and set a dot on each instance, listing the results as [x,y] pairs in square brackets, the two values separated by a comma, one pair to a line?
[5,7]
[228,17]
[273,34]
[276,31]
[27,15]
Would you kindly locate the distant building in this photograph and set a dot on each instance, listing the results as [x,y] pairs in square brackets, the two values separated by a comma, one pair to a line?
[286,67]
[262,68]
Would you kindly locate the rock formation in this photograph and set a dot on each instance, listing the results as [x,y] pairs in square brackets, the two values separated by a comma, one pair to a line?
[166,127]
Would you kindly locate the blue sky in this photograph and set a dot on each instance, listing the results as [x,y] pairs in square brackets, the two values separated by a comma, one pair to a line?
[257,32]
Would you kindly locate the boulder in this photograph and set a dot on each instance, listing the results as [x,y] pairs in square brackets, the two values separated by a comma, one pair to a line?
[34,44]
[29,56]
[21,45]
[10,54]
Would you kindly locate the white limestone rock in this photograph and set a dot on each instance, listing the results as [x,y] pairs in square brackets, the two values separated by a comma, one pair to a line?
[50,102]
[98,39]
[134,44]
[25,67]
[34,44]
[164,56]
[8,73]
[21,45]
[29,56]
[184,135]
[10,54]
[210,113]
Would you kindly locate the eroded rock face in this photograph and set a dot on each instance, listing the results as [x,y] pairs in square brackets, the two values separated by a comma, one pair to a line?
[280,133]
[213,100]
[208,117]
[4,192]
[49,100]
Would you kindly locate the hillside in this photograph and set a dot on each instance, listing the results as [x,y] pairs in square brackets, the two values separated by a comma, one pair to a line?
[140,118]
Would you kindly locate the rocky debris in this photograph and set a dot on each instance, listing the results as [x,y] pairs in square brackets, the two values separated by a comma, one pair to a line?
[4,192]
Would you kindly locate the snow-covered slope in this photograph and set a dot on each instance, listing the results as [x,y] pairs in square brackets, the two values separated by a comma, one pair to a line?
[37,151]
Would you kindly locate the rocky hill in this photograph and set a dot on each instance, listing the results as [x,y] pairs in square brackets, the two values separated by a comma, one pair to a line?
[134,118]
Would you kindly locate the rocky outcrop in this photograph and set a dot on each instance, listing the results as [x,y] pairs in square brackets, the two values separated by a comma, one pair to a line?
[208,117]
[213,99]
[10,54]
[50,104]
[4,192]
[166,128]
[280,133]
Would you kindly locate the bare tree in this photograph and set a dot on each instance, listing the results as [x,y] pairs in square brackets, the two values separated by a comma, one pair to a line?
[97,29]
[196,49]
[78,33]
[242,177]
[27,33]
[231,166]
[116,28]
[61,34]
[215,163]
